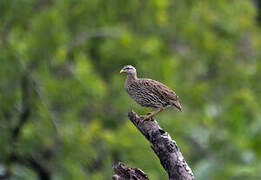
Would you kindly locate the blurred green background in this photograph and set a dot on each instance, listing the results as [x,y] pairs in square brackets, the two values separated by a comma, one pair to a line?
[63,110]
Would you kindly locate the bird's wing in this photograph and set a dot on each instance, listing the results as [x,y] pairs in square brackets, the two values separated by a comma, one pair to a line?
[164,92]
[160,89]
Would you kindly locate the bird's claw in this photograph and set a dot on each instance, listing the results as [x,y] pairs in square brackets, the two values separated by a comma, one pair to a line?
[148,117]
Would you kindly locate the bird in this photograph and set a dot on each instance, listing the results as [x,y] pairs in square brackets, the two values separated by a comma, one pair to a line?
[149,92]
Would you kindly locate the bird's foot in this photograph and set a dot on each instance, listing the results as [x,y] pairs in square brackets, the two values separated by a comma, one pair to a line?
[148,117]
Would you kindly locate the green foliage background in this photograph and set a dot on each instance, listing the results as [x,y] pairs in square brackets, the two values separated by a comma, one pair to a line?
[70,53]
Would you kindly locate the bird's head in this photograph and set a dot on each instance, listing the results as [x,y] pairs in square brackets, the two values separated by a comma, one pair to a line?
[129,70]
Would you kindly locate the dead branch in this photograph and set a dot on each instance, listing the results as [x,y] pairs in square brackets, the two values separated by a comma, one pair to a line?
[164,147]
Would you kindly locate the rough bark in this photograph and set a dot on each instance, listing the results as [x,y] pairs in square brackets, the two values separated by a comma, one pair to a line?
[122,172]
[165,148]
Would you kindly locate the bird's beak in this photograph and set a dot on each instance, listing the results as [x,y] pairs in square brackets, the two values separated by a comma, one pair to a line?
[122,71]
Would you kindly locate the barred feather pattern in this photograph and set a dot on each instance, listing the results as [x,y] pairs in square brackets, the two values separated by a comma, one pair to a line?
[151,93]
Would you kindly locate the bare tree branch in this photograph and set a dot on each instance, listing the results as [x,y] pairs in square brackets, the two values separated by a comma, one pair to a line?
[165,148]
[122,172]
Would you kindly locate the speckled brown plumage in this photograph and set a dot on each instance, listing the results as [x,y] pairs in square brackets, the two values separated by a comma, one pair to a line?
[148,92]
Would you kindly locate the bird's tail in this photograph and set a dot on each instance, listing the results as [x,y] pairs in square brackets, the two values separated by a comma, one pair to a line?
[177,105]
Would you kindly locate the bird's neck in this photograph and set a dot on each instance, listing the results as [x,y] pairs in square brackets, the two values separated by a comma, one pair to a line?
[131,77]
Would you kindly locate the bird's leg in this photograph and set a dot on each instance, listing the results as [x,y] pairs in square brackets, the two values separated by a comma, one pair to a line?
[148,117]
